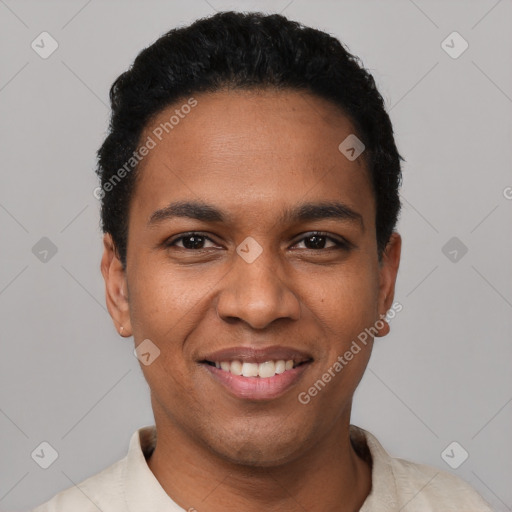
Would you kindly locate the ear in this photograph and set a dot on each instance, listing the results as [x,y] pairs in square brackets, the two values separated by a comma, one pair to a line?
[115,287]
[388,270]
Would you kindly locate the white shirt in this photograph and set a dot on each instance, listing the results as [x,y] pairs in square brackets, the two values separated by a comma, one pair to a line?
[397,484]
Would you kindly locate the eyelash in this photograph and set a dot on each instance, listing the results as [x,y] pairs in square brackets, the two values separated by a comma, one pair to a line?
[340,244]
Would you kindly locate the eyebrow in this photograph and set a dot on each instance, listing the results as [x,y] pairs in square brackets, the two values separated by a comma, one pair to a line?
[301,213]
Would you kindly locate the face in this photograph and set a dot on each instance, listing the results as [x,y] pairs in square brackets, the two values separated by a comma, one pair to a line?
[252,247]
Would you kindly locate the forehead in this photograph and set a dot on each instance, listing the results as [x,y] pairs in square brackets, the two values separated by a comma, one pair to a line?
[249,149]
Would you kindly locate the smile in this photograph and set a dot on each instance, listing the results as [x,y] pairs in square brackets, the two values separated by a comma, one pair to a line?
[263,370]
[252,373]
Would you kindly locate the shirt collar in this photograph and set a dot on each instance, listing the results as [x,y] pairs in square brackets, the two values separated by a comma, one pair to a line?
[142,490]
[383,495]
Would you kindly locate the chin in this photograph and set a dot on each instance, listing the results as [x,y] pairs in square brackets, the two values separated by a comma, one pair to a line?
[258,449]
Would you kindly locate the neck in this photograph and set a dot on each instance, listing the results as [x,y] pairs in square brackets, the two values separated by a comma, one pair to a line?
[327,477]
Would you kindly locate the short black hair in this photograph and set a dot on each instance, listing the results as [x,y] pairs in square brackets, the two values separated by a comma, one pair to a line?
[246,51]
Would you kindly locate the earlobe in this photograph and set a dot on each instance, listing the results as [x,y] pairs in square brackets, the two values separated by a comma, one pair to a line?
[115,287]
[382,327]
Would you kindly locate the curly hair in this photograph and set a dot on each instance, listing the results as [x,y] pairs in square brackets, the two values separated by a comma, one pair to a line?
[245,51]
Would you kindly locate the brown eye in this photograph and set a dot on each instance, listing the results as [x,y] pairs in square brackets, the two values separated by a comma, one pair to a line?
[315,242]
[190,241]
[318,241]
[193,242]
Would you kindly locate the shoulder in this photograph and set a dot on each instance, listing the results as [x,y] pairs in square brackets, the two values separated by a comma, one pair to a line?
[422,487]
[410,487]
[103,491]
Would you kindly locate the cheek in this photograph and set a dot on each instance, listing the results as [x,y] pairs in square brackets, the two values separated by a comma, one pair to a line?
[345,302]
[165,308]
[164,305]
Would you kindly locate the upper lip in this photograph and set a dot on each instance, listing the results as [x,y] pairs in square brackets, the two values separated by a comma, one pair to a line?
[258,354]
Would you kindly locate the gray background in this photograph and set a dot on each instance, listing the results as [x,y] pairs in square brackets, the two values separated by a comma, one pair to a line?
[442,375]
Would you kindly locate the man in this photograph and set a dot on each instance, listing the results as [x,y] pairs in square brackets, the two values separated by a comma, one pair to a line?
[249,188]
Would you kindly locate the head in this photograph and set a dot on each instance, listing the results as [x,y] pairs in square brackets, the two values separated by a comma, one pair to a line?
[236,220]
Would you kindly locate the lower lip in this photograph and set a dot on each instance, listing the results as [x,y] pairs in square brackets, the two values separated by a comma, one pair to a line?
[257,388]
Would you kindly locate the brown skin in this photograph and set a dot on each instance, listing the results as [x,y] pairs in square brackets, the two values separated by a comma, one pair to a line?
[252,155]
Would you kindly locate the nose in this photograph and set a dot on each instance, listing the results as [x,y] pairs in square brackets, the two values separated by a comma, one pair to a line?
[255,294]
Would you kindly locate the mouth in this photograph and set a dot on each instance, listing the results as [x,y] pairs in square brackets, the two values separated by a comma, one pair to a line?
[265,370]
[257,374]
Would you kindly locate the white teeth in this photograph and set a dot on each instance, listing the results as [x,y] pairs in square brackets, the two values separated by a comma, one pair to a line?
[236,368]
[281,366]
[267,369]
[250,369]
[262,370]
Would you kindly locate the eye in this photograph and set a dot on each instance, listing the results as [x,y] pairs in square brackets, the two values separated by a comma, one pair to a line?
[190,241]
[315,241]
[318,240]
